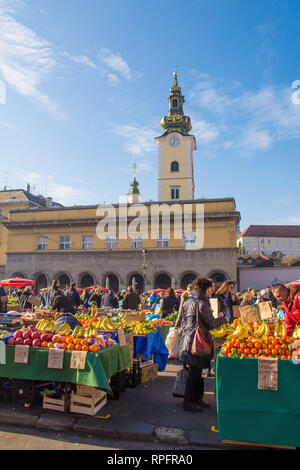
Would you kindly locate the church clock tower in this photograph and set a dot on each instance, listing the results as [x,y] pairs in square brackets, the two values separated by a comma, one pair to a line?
[175,151]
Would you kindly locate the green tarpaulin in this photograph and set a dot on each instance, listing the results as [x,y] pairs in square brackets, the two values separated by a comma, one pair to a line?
[99,368]
[251,415]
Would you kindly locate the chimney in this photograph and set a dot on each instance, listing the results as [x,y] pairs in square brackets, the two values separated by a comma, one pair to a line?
[49,201]
[28,187]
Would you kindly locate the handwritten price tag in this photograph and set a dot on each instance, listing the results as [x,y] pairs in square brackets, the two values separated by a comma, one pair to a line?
[78,360]
[21,354]
[56,358]
[2,352]
[122,339]
[268,373]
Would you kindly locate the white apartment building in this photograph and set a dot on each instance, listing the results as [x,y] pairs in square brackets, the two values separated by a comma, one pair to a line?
[266,239]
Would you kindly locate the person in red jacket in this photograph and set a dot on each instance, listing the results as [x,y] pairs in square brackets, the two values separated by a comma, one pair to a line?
[290,297]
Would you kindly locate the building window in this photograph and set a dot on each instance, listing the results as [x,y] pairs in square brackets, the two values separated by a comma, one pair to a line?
[250,261]
[174,103]
[189,240]
[175,193]
[111,243]
[136,242]
[64,243]
[42,243]
[87,243]
[162,241]
[174,166]
[262,241]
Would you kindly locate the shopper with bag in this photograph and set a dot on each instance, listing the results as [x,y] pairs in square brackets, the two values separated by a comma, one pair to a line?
[196,345]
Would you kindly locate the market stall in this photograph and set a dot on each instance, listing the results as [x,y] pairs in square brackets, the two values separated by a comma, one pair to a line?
[98,367]
[249,414]
[257,380]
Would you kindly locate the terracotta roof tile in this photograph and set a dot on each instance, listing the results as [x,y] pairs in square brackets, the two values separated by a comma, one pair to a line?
[278,231]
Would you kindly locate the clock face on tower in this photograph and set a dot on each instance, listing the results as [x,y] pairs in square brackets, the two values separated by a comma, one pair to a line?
[174,140]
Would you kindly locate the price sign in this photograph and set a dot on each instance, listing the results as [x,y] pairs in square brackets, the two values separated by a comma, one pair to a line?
[122,339]
[2,352]
[78,360]
[56,358]
[268,373]
[21,354]
[265,310]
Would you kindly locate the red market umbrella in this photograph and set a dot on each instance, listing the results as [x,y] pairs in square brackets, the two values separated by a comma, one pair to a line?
[294,283]
[79,290]
[98,287]
[156,290]
[17,282]
[179,291]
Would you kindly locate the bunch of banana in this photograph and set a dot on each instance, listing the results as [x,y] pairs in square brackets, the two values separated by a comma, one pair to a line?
[3,334]
[296,333]
[240,332]
[64,329]
[106,324]
[220,332]
[48,326]
[91,332]
[262,331]
[78,332]
[280,328]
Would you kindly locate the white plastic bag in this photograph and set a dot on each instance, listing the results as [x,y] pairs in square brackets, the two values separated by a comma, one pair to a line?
[172,343]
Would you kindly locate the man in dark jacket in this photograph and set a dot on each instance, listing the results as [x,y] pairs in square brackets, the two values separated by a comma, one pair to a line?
[73,296]
[61,303]
[110,300]
[131,300]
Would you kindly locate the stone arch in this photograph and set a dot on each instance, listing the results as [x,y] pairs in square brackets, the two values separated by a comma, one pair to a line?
[114,281]
[64,278]
[162,280]
[139,278]
[86,279]
[218,276]
[187,278]
[19,274]
[41,280]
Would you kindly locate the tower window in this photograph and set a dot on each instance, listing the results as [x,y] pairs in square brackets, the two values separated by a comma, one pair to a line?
[175,193]
[174,166]
[174,103]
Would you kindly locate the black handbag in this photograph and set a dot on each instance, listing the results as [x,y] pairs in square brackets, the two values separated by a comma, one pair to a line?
[180,383]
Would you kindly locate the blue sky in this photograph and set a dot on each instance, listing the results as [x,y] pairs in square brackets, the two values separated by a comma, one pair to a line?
[87,84]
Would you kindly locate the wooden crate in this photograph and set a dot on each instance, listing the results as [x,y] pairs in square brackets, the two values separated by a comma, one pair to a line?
[87,391]
[88,404]
[147,372]
[56,404]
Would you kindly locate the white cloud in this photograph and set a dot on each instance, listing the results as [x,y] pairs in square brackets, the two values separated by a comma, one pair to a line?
[26,60]
[115,62]
[113,79]
[255,139]
[49,185]
[80,59]
[7,125]
[137,140]
[204,132]
[245,120]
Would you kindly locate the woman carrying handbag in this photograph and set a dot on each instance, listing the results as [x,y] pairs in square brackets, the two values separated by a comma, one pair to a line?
[196,346]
